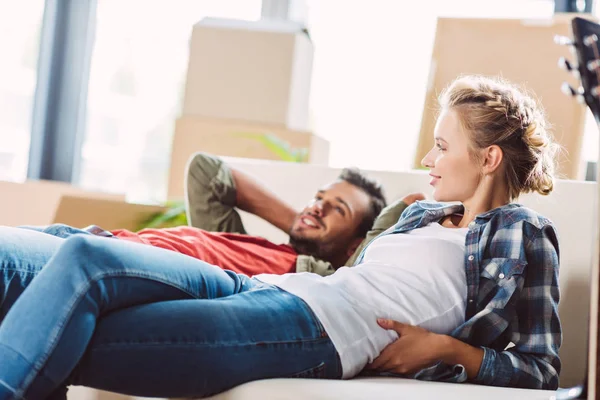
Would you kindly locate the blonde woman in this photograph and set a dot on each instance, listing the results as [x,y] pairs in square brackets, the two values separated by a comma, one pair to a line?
[438,296]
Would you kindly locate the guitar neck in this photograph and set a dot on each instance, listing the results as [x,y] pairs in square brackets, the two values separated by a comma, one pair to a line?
[586,38]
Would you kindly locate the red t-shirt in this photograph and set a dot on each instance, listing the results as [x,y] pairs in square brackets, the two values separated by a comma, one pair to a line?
[249,255]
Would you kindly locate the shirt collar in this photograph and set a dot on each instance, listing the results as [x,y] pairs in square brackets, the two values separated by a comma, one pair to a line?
[454,207]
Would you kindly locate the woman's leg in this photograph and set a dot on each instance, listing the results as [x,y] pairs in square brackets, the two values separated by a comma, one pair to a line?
[23,254]
[195,348]
[47,330]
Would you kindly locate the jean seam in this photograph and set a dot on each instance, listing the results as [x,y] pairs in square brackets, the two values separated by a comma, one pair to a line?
[316,372]
[338,363]
[20,269]
[316,322]
[37,367]
[101,347]
[14,392]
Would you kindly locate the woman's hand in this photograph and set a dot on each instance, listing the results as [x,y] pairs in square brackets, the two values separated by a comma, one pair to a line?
[416,348]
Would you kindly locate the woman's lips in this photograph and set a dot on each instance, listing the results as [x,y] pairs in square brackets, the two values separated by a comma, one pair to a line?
[434,179]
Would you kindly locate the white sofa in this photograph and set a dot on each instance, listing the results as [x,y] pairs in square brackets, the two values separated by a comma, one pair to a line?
[571,207]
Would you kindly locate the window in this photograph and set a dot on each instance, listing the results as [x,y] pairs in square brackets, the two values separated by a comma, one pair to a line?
[137,77]
[371,67]
[20,26]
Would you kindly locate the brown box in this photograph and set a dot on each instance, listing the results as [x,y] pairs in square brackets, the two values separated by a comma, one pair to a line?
[238,139]
[522,51]
[81,211]
[41,203]
[254,71]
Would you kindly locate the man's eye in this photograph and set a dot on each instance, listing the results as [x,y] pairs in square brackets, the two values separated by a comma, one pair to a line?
[339,209]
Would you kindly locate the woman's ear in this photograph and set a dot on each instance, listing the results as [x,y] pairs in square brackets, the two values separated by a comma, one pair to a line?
[492,158]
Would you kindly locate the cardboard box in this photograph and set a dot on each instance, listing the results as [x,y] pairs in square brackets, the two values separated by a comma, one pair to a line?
[109,214]
[237,139]
[41,203]
[522,51]
[254,71]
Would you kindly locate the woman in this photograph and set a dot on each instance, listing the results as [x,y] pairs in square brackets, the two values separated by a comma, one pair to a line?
[438,296]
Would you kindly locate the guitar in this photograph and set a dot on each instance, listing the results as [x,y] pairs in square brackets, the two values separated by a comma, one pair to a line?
[586,43]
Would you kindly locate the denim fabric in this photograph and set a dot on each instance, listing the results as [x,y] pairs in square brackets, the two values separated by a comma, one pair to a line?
[24,253]
[59,230]
[206,330]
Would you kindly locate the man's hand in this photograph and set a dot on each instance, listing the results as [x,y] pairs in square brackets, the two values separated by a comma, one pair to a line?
[416,348]
[411,198]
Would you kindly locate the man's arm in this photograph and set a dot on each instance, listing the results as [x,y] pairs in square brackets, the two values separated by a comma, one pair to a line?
[253,197]
[215,190]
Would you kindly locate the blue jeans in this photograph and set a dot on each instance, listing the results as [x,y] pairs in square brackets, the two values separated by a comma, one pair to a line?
[144,321]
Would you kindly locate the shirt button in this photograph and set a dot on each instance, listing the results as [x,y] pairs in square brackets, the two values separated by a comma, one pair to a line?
[471,257]
[471,224]
[501,276]
[470,301]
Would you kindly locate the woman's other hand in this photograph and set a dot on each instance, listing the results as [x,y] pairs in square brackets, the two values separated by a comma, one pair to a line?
[416,348]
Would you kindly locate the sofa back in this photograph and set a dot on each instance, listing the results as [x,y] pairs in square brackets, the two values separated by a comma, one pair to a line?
[571,207]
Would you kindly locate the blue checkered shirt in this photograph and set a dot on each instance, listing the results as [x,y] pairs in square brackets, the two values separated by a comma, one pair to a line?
[511,266]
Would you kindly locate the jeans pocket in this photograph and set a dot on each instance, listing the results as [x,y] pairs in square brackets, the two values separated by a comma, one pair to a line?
[317,372]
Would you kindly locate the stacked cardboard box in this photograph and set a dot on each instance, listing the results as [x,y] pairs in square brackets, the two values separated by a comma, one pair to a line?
[41,203]
[246,95]
[522,51]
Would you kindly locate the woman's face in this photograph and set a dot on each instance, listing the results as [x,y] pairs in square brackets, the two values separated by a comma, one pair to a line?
[455,175]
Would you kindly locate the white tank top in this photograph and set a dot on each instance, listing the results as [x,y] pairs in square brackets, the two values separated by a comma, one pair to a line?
[416,278]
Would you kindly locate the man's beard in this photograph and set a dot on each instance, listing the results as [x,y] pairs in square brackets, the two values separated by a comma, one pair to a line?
[310,247]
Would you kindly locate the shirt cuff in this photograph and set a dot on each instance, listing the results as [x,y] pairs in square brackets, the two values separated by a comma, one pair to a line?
[486,371]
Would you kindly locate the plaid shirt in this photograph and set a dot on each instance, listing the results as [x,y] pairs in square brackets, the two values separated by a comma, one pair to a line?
[511,265]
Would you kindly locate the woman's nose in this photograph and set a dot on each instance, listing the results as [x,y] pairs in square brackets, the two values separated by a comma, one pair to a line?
[426,161]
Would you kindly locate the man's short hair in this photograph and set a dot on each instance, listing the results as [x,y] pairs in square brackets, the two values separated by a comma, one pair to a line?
[371,187]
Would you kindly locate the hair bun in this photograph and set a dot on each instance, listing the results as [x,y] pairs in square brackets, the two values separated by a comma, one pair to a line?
[541,177]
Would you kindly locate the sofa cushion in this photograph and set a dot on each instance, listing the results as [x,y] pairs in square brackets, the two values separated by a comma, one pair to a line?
[373,388]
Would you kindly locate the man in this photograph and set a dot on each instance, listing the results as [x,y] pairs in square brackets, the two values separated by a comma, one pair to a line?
[323,236]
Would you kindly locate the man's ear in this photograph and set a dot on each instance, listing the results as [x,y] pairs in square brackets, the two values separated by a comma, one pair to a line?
[354,245]
[492,159]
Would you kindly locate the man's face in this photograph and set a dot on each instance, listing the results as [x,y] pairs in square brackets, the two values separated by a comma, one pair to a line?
[329,224]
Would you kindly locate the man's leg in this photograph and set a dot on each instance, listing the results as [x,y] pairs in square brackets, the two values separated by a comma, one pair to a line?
[210,195]
[195,348]
[58,230]
[47,330]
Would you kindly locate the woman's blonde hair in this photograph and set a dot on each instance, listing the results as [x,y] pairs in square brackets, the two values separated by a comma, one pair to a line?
[496,112]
